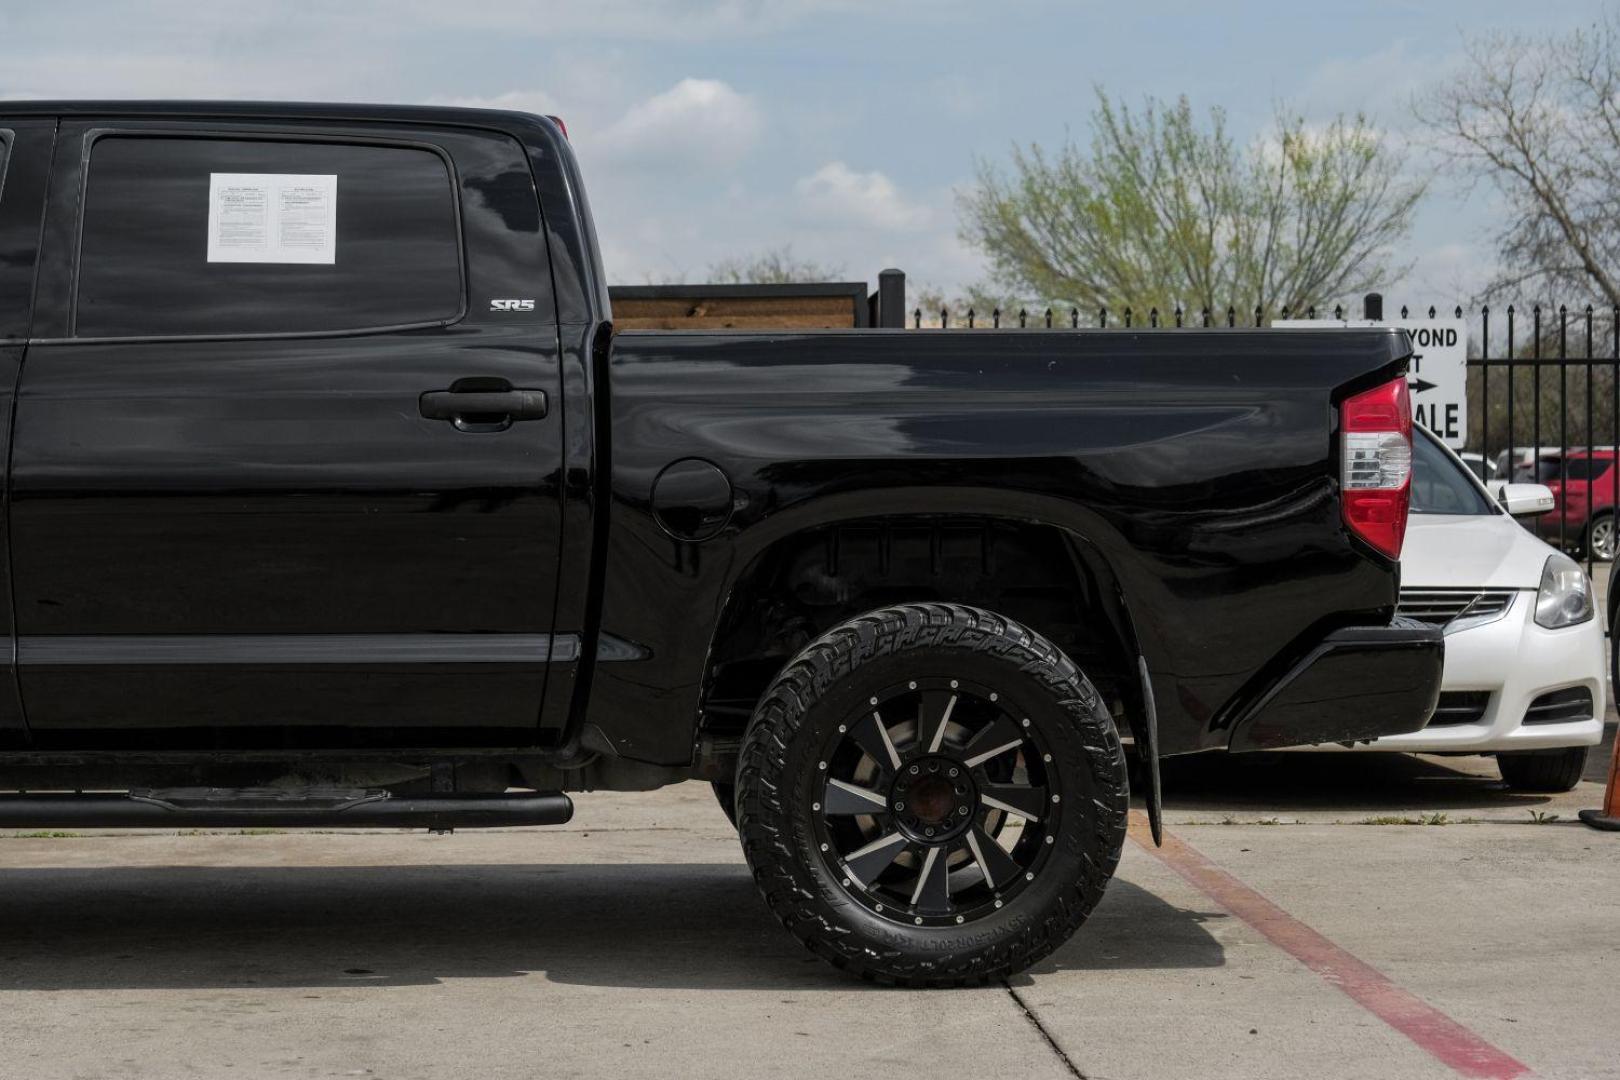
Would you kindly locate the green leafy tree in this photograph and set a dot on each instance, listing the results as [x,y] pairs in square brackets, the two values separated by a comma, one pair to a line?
[1162,209]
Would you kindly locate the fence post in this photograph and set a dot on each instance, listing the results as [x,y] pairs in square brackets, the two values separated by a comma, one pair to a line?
[1372,306]
[1563,418]
[1484,388]
[1535,398]
[891,299]
[1591,436]
[1511,380]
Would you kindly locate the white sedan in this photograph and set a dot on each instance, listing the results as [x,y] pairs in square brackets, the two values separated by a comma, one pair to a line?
[1524,668]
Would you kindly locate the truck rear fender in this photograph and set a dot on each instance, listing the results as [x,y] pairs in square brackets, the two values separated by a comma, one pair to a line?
[1047,577]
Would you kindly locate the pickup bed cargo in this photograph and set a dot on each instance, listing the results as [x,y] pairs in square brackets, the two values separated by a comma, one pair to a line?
[332,498]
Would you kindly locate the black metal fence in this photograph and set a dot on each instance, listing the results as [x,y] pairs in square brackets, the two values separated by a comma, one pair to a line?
[1543,392]
[1071,318]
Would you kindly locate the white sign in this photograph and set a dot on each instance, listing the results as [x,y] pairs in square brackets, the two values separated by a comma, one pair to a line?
[1438,375]
[272,218]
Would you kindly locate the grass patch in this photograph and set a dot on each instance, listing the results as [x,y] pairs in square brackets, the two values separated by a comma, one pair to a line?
[1405,819]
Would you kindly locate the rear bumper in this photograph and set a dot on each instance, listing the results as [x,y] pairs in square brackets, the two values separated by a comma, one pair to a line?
[1361,682]
[1515,662]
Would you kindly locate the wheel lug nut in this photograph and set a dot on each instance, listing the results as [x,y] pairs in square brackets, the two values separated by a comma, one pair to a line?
[899,806]
[913,770]
[963,811]
[954,771]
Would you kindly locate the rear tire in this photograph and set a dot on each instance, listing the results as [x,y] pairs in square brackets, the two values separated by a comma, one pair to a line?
[862,788]
[1600,538]
[1544,771]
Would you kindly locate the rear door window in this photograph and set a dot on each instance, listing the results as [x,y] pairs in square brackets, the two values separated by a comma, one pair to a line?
[19,228]
[190,237]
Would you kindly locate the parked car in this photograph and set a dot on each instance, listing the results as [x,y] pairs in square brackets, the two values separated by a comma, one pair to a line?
[1518,465]
[1525,656]
[1485,470]
[335,500]
[1582,483]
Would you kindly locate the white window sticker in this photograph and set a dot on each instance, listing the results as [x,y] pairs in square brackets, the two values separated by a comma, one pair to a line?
[272,218]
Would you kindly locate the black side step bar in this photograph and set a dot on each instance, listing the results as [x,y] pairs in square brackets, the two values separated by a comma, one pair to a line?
[282,808]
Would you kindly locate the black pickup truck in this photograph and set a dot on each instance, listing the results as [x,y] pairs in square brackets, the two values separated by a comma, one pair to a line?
[333,499]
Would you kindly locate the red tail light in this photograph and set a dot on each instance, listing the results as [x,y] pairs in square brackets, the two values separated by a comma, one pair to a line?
[559,122]
[1375,480]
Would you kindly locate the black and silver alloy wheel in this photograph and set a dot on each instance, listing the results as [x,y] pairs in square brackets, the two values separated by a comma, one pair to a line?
[931,795]
[937,804]
[1600,538]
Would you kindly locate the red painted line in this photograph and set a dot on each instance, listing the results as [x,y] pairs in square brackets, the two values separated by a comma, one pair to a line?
[1428,1027]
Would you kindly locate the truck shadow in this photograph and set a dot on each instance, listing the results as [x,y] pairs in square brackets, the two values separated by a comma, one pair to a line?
[691,926]
[1351,785]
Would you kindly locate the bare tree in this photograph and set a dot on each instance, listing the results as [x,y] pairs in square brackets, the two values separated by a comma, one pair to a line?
[1162,209]
[1539,118]
[773,266]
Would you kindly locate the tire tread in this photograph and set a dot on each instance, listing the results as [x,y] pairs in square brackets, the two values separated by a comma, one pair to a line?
[780,715]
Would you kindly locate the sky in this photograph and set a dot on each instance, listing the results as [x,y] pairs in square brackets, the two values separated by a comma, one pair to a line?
[716,128]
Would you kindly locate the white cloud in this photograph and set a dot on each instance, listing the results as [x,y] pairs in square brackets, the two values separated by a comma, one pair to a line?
[526,101]
[839,193]
[702,122]
[658,20]
[1380,83]
[696,125]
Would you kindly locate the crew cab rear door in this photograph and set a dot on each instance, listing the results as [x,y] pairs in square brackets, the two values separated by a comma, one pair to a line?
[285,474]
[25,158]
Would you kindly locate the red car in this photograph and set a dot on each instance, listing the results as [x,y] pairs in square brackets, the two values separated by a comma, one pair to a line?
[1582,483]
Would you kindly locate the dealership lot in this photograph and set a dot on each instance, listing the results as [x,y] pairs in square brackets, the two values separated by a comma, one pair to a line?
[631,943]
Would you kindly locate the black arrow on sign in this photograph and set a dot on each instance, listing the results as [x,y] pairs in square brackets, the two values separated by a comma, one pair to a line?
[1418,385]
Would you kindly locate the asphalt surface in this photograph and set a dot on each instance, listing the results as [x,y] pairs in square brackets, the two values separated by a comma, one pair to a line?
[631,944]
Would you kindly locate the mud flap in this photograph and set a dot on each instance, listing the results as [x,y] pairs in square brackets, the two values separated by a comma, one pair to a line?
[1145,730]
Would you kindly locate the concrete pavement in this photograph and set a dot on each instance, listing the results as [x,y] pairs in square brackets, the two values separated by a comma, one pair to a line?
[631,944]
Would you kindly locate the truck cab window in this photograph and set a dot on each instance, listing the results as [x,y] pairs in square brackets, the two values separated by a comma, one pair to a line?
[154,235]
